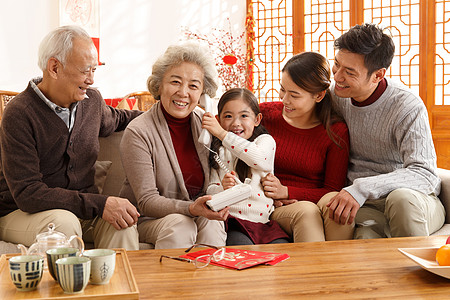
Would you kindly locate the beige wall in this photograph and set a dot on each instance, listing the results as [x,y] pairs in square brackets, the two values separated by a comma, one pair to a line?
[133,33]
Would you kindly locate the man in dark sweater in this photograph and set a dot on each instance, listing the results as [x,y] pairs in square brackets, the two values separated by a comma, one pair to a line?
[49,145]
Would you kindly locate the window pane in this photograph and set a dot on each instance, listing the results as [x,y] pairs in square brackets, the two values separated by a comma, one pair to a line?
[324,22]
[442,53]
[402,20]
[273,45]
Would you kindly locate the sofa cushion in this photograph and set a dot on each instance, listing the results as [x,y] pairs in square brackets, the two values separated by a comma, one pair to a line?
[444,196]
[109,151]
[445,230]
[8,248]
[101,171]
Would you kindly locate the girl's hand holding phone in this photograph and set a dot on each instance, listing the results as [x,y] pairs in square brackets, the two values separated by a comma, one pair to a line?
[210,123]
[229,180]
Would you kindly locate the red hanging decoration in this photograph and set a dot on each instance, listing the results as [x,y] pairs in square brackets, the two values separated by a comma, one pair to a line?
[230,54]
[230,59]
[250,55]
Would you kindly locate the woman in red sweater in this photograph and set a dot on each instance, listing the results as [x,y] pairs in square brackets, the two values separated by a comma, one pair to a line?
[312,151]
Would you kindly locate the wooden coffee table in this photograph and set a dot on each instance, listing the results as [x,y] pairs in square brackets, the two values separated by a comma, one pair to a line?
[334,270]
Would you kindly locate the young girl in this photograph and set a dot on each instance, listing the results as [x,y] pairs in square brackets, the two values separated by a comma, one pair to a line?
[244,147]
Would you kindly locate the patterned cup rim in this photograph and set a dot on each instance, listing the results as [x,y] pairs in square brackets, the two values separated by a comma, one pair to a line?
[62,250]
[98,252]
[25,258]
[73,260]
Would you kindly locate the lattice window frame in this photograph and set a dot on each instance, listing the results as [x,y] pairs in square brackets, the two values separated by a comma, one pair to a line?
[401,20]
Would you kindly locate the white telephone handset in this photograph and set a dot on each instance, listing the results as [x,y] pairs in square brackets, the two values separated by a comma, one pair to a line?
[205,136]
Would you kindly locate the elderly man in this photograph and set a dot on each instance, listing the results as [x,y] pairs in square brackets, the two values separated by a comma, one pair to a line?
[49,145]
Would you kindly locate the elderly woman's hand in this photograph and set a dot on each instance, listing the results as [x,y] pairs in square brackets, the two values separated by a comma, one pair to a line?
[210,123]
[199,208]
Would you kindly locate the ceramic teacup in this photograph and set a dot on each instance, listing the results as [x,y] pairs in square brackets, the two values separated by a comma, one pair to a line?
[56,253]
[26,271]
[73,273]
[103,263]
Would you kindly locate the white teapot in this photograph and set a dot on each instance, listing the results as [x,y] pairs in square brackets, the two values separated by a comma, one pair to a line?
[49,240]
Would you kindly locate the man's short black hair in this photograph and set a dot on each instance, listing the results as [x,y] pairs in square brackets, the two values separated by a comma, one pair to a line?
[369,40]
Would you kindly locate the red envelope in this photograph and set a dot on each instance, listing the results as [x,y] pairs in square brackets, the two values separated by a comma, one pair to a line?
[240,259]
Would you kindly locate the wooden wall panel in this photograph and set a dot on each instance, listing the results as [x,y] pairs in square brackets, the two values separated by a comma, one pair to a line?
[443,153]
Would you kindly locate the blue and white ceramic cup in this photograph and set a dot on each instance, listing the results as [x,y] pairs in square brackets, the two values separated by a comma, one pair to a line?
[73,273]
[54,254]
[102,265]
[26,271]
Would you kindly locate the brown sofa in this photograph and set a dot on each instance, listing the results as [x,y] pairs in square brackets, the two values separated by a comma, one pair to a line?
[109,151]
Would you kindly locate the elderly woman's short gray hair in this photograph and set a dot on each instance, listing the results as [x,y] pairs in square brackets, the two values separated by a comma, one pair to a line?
[192,52]
[59,43]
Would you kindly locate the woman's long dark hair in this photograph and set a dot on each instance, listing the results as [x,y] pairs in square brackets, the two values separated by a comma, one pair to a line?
[311,72]
[250,99]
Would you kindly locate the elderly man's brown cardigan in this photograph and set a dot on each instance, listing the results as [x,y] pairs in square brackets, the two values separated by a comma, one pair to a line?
[43,166]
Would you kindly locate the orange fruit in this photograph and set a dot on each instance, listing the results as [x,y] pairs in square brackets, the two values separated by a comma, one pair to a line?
[443,255]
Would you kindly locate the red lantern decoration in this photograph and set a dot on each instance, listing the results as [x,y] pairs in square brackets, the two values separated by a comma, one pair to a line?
[229,59]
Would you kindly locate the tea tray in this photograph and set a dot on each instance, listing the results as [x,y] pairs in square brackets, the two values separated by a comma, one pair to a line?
[121,286]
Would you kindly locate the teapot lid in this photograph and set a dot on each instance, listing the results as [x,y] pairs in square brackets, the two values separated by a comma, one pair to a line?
[51,234]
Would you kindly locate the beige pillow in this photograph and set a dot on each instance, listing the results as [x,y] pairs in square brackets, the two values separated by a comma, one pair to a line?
[101,171]
[125,104]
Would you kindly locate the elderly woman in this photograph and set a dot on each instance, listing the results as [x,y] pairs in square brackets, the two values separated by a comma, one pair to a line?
[166,167]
